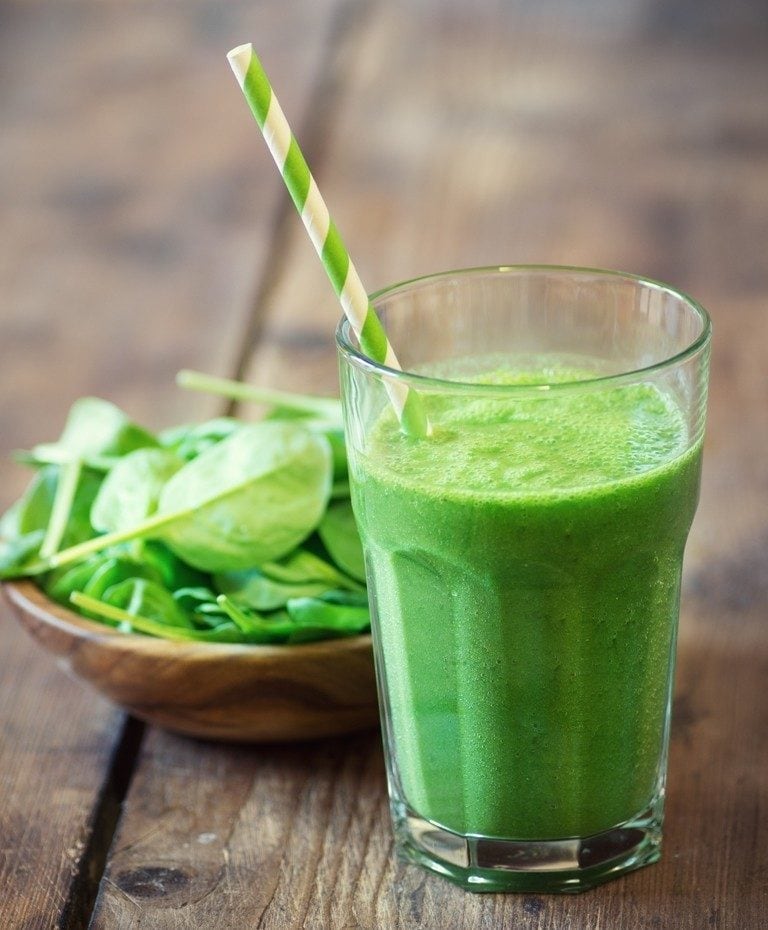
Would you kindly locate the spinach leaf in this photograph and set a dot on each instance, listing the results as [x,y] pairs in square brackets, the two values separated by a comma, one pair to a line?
[302,566]
[338,532]
[252,588]
[22,528]
[108,613]
[32,510]
[78,527]
[248,499]
[131,490]
[97,429]
[19,553]
[60,583]
[346,598]
[113,571]
[254,627]
[9,522]
[146,598]
[331,613]
[190,598]
[32,515]
[340,490]
[95,575]
[200,604]
[334,433]
[210,614]
[173,571]
[251,497]
[191,440]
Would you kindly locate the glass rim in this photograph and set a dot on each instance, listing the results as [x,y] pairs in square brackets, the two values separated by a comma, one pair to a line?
[360,360]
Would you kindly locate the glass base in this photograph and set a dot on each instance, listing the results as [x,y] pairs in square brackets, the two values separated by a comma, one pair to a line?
[480,863]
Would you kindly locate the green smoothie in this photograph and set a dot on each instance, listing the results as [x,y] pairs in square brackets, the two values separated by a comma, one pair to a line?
[525,565]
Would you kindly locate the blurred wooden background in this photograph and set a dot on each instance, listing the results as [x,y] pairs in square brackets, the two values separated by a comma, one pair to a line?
[144,229]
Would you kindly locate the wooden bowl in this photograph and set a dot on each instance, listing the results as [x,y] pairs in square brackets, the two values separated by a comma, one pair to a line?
[211,690]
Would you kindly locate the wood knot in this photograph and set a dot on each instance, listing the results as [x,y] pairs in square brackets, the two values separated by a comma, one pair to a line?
[532,904]
[152,881]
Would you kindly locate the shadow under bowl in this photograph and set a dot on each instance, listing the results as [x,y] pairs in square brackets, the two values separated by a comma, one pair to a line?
[217,691]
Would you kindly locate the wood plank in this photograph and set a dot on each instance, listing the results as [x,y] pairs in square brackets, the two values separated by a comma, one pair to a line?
[133,223]
[209,831]
[631,146]
[56,744]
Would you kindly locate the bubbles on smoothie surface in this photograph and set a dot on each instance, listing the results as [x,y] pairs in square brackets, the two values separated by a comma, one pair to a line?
[534,441]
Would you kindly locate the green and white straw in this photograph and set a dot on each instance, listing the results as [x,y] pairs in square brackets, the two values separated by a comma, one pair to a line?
[324,234]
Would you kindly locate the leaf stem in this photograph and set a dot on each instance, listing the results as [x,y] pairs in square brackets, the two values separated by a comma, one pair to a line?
[54,454]
[74,553]
[305,404]
[145,625]
[103,610]
[66,488]
[253,623]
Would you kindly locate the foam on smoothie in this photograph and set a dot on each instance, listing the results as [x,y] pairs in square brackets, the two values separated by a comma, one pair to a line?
[559,440]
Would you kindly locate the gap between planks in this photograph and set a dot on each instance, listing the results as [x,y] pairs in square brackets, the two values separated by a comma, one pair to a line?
[85,884]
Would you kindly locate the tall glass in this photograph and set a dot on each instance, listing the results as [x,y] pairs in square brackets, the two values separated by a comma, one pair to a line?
[524,563]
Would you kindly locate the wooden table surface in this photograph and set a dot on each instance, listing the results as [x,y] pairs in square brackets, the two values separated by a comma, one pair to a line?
[144,229]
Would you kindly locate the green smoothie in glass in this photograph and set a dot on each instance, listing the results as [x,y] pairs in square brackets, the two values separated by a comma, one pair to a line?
[524,565]
[526,573]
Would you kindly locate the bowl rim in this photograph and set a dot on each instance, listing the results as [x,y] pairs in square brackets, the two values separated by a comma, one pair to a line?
[25,597]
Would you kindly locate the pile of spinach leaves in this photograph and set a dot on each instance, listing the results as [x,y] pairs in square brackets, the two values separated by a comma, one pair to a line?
[223,531]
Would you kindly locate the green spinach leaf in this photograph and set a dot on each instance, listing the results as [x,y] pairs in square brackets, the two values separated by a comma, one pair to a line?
[95,575]
[146,598]
[248,499]
[256,628]
[338,532]
[329,612]
[251,497]
[95,429]
[31,516]
[189,441]
[60,583]
[32,510]
[201,605]
[302,566]
[173,571]
[131,490]
[225,633]
[252,588]
[19,553]
[113,571]
[334,433]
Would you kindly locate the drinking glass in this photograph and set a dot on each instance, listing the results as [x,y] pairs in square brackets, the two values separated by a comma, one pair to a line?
[524,562]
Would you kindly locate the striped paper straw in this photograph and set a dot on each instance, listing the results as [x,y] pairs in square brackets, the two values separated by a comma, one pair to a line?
[324,234]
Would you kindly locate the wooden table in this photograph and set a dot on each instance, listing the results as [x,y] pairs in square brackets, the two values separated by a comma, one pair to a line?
[145,230]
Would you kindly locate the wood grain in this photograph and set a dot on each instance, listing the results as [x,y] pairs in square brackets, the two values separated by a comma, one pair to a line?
[468,134]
